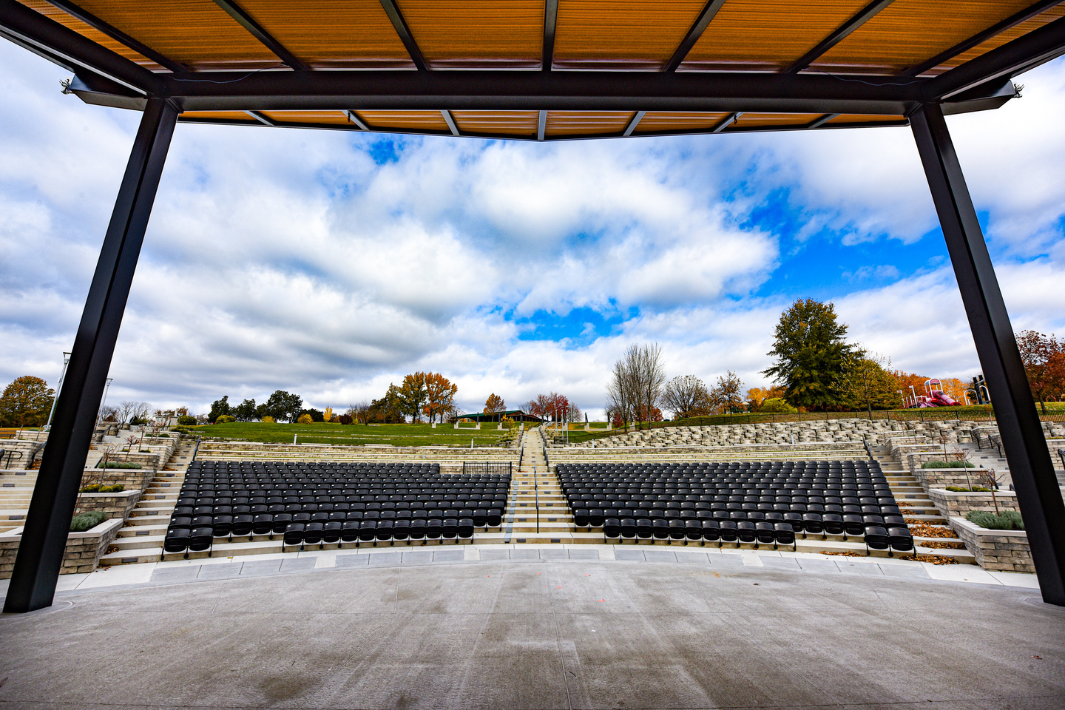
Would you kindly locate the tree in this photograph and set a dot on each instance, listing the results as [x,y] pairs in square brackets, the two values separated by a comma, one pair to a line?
[776,405]
[386,410]
[494,404]
[757,396]
[109,413]
[327,415]
[866,384]
[686,396]
[26,402]
[412,395]
[245,411]
[636,383]
[284,405]
[1044,364]
[305,419]
[439,395]
[725,396]
[219,408]
[316,415]
[811,354]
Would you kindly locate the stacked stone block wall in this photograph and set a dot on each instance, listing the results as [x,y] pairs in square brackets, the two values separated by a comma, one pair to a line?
[957,504]
[81,555]
[113,505]
[995,550]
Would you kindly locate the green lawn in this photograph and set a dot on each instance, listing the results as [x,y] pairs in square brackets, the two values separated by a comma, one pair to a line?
[354,434]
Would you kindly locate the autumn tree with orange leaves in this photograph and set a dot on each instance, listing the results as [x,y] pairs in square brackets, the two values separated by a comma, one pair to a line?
[440,396]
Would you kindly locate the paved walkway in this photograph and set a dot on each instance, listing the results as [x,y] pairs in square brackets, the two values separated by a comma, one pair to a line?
[524,627]
[183,571]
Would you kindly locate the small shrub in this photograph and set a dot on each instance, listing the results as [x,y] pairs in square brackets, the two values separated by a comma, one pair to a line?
[974,489]
[305,419]
[948,464]
[120,464]
[1006,520]
[186,420]
[163,436]
[93,488]
[345,419]
[98,488]
[776,405]
[268,419]
[86,521]
[225,419]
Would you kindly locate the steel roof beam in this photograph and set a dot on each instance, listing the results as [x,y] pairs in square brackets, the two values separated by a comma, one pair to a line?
[354,118]
[981,37]
[450,121]
[247,22]
[550,20]
[840,34]
[694,33]
[818,122]
[633,122]
[1023,53]
[261,118]
[400,25]
[30,28]
[726,122]
[541,125]
[532,91]
[118,35]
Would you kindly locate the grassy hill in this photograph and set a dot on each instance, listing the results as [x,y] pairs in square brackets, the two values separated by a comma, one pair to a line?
[355,434]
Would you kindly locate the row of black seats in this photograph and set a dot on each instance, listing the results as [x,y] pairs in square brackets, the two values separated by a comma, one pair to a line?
[331,503]
[825,498]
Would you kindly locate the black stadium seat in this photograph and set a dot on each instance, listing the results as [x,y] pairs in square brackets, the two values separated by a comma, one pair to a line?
[331,503]
[743,501]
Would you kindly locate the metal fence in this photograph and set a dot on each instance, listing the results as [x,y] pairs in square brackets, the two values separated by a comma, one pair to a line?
[495,468]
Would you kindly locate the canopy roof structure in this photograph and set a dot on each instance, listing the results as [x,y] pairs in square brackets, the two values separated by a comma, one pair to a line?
[538,70]
[544,69]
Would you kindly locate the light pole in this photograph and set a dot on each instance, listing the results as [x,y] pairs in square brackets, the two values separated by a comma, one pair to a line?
[58,388]
[103,400]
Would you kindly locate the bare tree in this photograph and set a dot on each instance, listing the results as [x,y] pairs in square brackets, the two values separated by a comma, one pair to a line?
[725,396]
[686,396]
[109,413]
[636,383]
[126,409]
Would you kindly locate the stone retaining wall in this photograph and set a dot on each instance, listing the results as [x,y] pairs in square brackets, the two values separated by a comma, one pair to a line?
[995,550]
[957,504]
[82,553]
[114,505]
[943,477]
[131,478]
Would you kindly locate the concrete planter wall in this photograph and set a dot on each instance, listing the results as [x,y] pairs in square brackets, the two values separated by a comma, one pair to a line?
[131,478]
[114,505]
[942,477]
[952,504]
[995,550]
[82,553]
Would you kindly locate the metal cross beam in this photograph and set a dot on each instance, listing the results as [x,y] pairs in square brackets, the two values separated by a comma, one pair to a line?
[840,34]
[118,35]
[248,22]
[44,538]
[550,20]
[1031,467]
[694,33]
[400,25]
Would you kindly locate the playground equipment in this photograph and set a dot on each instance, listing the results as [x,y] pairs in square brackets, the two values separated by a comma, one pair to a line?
[934,397]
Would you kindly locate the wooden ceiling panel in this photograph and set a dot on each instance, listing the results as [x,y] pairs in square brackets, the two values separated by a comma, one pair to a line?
[240,116]
[332,33]
[574,123]
[767,35]
[629,34]
[863,118]
[320,117]
[659,121]
[54,13]
[405,120]
[477,33]
[751,120]
[196,33]
[907,32]
[503,123]
[1055,13]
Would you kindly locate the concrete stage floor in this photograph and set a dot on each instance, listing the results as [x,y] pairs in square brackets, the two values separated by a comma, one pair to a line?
[370,631]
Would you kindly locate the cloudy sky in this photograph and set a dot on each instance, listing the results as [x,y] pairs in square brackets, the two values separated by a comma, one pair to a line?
[330,264]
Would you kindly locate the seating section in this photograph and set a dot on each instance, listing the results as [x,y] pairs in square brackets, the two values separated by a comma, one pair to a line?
[767,502]
[330,502]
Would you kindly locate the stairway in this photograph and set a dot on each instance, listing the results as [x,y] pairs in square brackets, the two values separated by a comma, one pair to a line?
[916,506]
[538,512]
[141,539]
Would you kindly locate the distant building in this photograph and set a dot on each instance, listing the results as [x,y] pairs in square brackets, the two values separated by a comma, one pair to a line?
[513,414]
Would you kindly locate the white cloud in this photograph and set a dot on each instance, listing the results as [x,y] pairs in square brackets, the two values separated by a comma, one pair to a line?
[289,259]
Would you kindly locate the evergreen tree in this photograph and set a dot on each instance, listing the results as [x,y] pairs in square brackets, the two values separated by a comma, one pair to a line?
[811,354]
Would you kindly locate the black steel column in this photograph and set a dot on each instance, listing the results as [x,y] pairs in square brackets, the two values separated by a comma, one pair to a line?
[40,553]
[1031,467]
